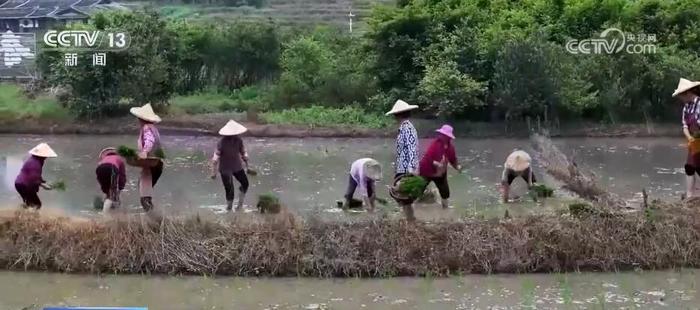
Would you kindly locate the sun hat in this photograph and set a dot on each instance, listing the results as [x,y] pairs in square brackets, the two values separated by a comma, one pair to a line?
[108,151]
[232,128]
[684,86]
[518,161]
[447,131]
[43,150]
[373,169]
[401,106]
[145,113]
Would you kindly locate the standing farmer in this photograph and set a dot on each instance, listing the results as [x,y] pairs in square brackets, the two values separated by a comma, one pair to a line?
[111,175]
[686,93]
[230,155]
[148,146]
[406,140]
[406,148]
[30,177]
[433,165]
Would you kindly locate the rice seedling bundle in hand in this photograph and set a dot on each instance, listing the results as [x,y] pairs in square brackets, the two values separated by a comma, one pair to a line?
[159,153]
[58,185]
[127,152]
[412,186]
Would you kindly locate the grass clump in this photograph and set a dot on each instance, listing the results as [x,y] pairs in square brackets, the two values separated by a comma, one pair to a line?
[318,116]
[268,203]
[14,104]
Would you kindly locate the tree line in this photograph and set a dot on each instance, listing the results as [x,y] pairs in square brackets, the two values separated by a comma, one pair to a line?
[478,60]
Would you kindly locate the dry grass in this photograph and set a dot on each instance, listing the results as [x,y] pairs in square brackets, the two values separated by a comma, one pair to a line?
[669,238]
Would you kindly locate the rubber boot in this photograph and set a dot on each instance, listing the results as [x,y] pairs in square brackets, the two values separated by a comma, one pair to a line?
[445,203]
[107,206]
[689,186]
[229,205]
[147,203]
[241,198]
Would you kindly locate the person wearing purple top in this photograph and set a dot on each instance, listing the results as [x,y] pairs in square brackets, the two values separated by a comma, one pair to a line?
[30,177]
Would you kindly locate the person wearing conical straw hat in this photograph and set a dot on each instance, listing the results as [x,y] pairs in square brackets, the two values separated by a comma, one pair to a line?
[406,140]
[148,146]
[231,156]
[111,176]
[433,165]
[30,177]
[517,165]
[687,94]
[364,174]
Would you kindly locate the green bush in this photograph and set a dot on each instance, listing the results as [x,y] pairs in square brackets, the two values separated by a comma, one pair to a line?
[318,116]
[14,104]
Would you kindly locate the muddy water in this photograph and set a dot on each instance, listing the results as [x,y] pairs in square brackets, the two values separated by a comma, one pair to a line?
[310,174]
[647,290]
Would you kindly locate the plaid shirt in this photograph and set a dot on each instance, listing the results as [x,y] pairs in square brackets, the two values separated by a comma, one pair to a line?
[407,148]
[691,110]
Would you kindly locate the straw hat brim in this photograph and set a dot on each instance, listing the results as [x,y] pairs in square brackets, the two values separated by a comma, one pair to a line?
[108,150]
[232,128]
[145,114]
[401,106]
[685,88]
[446,134]
[43,150]
[373,170]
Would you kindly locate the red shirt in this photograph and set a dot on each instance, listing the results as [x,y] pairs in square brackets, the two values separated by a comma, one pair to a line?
[116,161]
[437,150]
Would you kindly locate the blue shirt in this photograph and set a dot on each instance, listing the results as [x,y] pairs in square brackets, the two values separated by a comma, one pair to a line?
[407,148]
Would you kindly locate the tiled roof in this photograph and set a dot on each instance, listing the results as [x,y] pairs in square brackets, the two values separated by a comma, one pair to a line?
[12,9]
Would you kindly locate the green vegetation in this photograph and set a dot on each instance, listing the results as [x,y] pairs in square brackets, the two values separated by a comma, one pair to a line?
[318,116]
[127,152]
[515,66]
[542,191]
[412,187]
[59,186]
[15,104]
[160,153]
[268,203]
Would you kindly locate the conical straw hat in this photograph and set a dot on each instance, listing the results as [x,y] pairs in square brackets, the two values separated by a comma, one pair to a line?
[145,113]
[108,151]
[373,169]
[518,161]
[683,86]
[401,106]
[232,128]
[43,150]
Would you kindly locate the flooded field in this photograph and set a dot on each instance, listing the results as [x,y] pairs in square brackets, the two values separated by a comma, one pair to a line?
[310,174]
[646,290]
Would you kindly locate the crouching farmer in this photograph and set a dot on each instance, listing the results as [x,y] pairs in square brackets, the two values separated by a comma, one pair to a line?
[517,165]
[364,174]
[111,175]
[30,177]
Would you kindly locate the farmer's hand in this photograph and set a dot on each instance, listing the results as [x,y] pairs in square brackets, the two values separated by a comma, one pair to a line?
[46,186]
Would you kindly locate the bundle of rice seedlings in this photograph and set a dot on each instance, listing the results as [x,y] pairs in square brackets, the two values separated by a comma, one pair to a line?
[58,185]
[127,152]
[268,203]
[97,203]
[159,153]
[412,186]
[251,171]
[541,191]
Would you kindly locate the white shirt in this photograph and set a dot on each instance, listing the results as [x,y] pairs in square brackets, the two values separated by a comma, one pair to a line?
[357,172]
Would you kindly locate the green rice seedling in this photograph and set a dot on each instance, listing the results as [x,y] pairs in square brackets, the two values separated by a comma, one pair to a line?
[97,203]
[541,191]
[127,152]
[159,153]
[268,203]
[59,186]
[412,186]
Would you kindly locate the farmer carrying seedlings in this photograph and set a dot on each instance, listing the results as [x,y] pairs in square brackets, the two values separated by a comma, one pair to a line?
[148,146]
[29,179]
[364,173]
[687,94]
[517,165]
[111,176]
[231,155]
[406,140]
[433,165]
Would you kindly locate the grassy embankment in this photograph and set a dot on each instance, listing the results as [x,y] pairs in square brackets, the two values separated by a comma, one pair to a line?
[14,104]
[664,238]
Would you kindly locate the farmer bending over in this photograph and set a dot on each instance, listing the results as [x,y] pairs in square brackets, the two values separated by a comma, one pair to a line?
[364,173]
[111,175]
[29,179]
[517,165]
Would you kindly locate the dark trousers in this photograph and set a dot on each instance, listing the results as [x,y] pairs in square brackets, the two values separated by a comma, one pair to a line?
[227,179]
[352,186]
[108,178]
[156,172]
[29,194]
[525,174]
[441,184]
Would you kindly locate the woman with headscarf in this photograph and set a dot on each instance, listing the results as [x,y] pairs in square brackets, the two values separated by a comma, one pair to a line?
[230,155]
[433,165]
[148,146]
[30,177]
[686,93]
[111,176]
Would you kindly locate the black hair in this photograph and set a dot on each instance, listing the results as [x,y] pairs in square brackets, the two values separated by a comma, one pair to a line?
[403,115]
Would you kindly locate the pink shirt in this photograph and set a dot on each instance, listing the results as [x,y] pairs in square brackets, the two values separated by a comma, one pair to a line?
[117,161]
